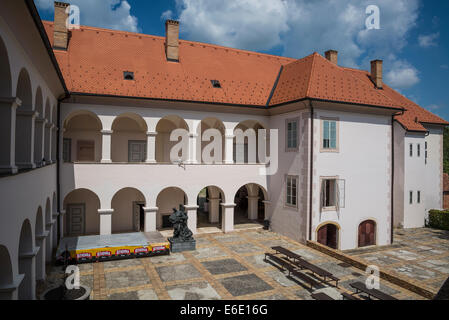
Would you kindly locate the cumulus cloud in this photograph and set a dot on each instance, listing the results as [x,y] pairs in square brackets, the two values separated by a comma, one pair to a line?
[111,14]
[166,15]
[429,40]
[402,75]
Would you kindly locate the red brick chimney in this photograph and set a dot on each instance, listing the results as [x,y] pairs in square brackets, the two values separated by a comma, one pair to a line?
[60,32]
[376,73]
[172,40]
[332,56]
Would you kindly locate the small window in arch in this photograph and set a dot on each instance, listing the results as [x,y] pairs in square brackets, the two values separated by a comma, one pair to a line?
[216,83]
[128,75]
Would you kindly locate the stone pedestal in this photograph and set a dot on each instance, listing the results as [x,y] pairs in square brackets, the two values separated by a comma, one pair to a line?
[180,246]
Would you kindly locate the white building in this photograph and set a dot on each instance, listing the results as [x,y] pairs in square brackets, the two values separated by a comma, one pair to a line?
[355,158]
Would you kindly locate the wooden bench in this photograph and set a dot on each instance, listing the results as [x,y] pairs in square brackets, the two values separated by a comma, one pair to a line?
[347,296]
[361,287]
[312,282]
[285,265]
[321,296]
[303,264]
[289,254]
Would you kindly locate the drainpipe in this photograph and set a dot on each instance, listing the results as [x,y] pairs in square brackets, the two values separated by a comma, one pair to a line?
[311,169]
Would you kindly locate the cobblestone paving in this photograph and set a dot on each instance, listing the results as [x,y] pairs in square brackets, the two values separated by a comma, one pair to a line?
[224,266]
[420,254]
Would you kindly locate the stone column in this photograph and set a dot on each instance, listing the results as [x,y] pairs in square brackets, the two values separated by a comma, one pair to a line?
[25,138]
[39,136]
[193,141]
[227,218]
[151,147]
[27,262]
[106,146]
[253,207]
[192,217]
[229,147]
[214,210]
[8,108]
[40,258]
[105,221]
[150,218]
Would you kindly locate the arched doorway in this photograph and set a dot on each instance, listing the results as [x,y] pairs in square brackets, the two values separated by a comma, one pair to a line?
[249,204]
[128,216]
[168,199]
[48,228]
[209,209]
[26,287]
[129,138]
[212,123]
[81,216]
[82,137]
[39,128]
[39,232]
[328,235]
[367,233]
[6,275]
[164,128]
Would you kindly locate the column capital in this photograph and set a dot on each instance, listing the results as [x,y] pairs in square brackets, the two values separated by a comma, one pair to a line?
[27,113]
[228,205]
[191,207]
[150,209]
[193,135]
[14,285]
[151,133]
[106,132]
[43,235]
[268,202]
[105,211]
[29,255]
[14,102]
[229,136]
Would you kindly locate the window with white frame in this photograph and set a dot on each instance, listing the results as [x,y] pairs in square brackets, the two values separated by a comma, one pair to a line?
[418,151]
[291,192]
[425,152]
[329,193]
[292,134]
[329,135]
[411,197]
[411,149]
[418,197]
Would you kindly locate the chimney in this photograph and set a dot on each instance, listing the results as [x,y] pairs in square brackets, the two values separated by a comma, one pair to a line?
[60,32]
[332,56]
[172,40]
[376,73]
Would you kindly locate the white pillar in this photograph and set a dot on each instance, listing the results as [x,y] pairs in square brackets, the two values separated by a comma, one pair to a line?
[150,218]
[191,217]
[8,108]
[105,221]
[27,262]
[227,218]
[40,258]
[229,147]
[214,210]
[106,146]
[253,207]
[151,147]
[193,141]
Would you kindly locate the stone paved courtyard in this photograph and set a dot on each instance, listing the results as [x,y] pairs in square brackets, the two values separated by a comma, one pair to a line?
[224,266]
[421,254]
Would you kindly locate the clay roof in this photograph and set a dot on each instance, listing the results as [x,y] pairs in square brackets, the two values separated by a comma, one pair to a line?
[445,182]
[96,59]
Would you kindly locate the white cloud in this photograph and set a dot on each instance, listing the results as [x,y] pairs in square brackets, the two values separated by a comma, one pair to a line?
[111,14]
[402,75]
[444,66]
[429,40]
[433,107]
[166,15]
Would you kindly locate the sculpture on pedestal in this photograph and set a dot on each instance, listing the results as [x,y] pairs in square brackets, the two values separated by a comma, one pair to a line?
[182,239]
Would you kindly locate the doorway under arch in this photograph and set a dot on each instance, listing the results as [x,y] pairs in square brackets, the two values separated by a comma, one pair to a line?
[367,233]
[328,235]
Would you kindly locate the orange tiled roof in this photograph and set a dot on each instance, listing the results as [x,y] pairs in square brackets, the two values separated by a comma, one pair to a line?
[96,59]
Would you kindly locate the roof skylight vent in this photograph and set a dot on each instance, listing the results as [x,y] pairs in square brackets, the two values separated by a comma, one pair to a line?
[128,75]
[215,83]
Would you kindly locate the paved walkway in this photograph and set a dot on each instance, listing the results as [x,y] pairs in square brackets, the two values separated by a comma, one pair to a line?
[421,254]
[224,266]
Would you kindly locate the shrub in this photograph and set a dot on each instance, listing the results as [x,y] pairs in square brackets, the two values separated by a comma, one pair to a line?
[439,219]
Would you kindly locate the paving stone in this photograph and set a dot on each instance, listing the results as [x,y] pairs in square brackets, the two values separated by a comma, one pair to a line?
[193,291]
[335,269]
[276,296]
[257,261]
[125,263]
[147,294]
[245,284]
[208,252]
[173,257]
[123,279]
[229,238]
[178,272]
[130,295]
[281,278]
[245,248]
[223,266]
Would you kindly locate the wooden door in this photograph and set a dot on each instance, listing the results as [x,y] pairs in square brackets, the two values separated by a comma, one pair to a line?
[76,216]
[328,236]
[322,235]
[367,233]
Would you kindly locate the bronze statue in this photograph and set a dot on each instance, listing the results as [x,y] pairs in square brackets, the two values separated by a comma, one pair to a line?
[181,232]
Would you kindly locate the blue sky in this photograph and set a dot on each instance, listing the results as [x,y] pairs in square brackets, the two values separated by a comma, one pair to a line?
[413,39]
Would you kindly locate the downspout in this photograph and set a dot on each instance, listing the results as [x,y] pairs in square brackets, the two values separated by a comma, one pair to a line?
[311,169]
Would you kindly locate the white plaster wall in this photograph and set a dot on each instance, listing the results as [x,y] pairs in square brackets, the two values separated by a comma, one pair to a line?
[364,162]
[399,175]
[434,169]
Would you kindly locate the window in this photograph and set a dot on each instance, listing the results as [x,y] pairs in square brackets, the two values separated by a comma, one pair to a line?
[425,152]
[85,150]
[216,84]
[292,184]
[329,141]
[66,150]
[329,193]
[418,151]
[411,149]
[137,151]
[127,75]
[418,199]
[292,134]
[411,197]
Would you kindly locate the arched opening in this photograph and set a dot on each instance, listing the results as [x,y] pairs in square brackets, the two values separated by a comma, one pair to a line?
[53,133]
[5,71]
[328,235]
[56,224]
[249,204]
[6,275]
[164,128]
[81,218]
[39,126]
[128,216]
[39,232]
[212,123]
[47,132]
[168,199]
[247,149]
[26,287]
[367,233]
[209,210]
[129,139]
[82,137]
[48,227]
[24,122]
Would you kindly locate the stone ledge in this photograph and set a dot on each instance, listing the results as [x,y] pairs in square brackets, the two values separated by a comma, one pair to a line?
[398,280]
